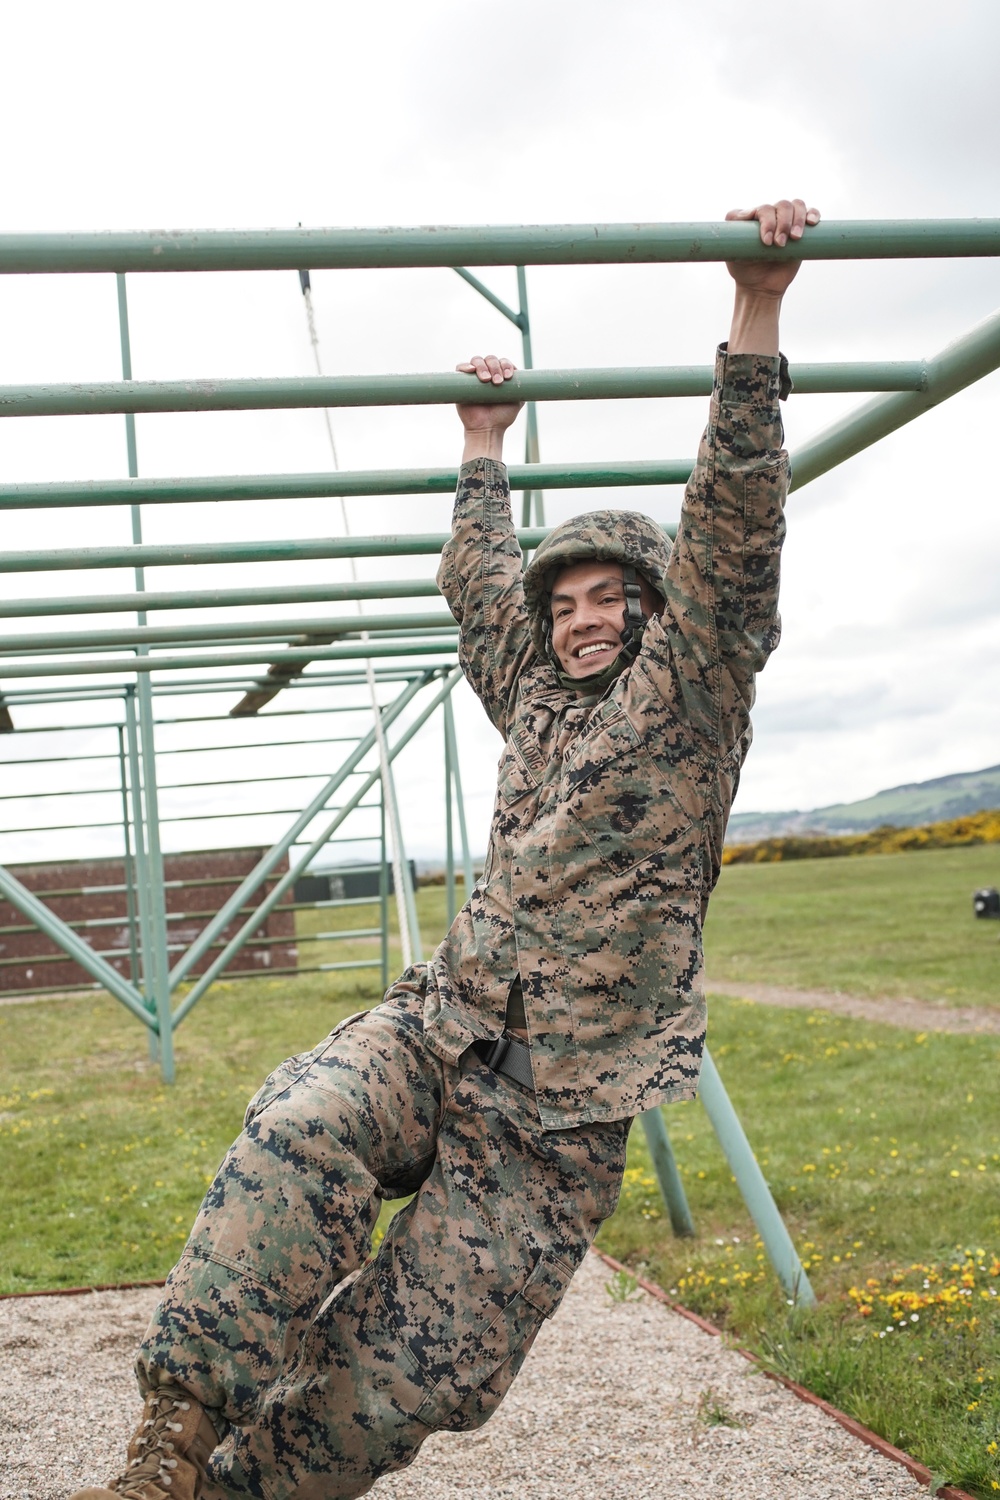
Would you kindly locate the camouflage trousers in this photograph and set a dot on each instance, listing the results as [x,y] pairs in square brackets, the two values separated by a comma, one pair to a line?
[326,1367]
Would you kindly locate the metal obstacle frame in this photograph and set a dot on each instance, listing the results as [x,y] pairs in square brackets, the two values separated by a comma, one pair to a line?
[905,389]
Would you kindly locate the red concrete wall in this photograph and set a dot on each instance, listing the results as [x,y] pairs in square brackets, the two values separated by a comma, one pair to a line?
[30,960]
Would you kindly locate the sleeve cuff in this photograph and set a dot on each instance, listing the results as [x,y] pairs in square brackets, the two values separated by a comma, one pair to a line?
[489,468]
[750,379]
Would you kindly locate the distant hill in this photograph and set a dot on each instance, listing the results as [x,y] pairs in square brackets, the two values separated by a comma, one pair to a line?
[943,798]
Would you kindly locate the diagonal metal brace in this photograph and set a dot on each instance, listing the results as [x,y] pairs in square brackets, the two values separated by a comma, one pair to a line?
[263,868]
[960,364]
[54,927]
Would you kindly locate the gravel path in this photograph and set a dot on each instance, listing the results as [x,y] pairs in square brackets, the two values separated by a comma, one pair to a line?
[611,1405]
[918,1015]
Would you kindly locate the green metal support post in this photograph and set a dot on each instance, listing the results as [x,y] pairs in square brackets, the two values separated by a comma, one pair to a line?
[383,892]
[463,831]
[753,1185]
[404,867]
[154,872]
[667,1175]
[531,454]
[128,863]
[522,323]
[142,871]
[449,832]
[146,805]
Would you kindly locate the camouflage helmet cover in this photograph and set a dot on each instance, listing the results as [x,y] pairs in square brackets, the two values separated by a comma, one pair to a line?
[620,536]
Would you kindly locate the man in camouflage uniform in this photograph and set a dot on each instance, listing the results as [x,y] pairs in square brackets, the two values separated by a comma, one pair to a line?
[497,1082]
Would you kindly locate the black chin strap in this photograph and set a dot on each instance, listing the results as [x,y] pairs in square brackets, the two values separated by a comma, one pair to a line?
[634,621]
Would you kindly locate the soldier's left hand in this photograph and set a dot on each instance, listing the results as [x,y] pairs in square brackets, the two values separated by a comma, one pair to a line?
[779,222]
[489,370]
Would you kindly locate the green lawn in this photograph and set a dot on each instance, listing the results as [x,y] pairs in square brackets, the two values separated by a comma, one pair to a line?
[883,924]
[882,1147]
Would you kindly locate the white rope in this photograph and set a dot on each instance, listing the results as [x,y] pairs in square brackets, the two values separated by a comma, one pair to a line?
[388,786]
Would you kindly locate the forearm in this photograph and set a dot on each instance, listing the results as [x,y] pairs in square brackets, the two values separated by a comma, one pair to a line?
[483,443]
[755,323]
[481,579]
[720,616]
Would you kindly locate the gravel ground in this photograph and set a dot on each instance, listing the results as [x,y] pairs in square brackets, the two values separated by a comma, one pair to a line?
[917,1015]
[612,1403]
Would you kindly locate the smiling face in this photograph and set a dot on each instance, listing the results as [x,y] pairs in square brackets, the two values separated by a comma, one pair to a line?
[588,615]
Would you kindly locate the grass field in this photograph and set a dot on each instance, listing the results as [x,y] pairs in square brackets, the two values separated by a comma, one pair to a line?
[882,1147]
[885,924]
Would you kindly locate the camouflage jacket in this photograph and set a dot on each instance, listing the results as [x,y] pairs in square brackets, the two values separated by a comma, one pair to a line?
[610,813]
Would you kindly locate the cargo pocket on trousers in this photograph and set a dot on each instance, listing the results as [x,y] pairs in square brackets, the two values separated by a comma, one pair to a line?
[508,1334]
[292,1069]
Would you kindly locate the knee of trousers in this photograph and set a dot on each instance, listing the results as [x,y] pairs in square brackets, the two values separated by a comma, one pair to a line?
[289,1214]
[297,1192]
[365,1394]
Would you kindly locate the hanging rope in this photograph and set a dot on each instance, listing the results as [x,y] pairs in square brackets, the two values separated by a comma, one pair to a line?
[388,786]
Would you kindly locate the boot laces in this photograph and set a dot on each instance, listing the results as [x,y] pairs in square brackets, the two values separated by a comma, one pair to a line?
[154,1445]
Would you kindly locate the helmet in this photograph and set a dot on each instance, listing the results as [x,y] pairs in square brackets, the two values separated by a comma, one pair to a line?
[626,537]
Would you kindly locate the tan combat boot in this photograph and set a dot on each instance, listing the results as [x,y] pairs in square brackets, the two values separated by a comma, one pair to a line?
[168,1452]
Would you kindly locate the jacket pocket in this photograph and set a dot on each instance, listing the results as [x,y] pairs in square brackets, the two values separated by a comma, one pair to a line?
[514,780]
[617,794]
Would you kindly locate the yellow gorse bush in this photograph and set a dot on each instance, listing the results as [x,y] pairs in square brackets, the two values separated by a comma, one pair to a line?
[977,828]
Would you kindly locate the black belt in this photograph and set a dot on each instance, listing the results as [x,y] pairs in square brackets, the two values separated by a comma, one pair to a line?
[509,1057]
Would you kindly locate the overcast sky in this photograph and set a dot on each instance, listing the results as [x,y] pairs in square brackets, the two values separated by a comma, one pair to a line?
[221,115]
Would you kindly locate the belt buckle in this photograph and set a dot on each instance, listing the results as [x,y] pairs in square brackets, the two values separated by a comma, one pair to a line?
[497,1052]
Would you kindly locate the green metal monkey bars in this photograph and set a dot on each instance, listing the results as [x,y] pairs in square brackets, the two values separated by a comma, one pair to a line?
[411,651]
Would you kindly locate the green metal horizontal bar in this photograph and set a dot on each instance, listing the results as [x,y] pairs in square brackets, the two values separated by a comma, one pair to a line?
[346,934]
[189,817]
[181,687]
[109,398]
[278,642]
[325,486]
[111,755]
[309,593]
[181,639]
[361,651]
[109,692]
[354,963]
[152,635]
[959,365]
[487,245]
[403,544]
[307,550]
[249,812]
[164,786]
